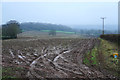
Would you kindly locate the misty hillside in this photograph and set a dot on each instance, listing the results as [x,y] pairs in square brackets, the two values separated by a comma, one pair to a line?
[95,27]
[30,26]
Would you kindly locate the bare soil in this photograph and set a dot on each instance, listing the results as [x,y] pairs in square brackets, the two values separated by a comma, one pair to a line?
[49,58]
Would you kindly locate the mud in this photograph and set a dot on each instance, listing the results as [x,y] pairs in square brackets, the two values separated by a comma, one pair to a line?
[50,58]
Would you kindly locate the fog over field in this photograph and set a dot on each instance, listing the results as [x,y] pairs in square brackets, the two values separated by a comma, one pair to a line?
[95,27]
[76,13]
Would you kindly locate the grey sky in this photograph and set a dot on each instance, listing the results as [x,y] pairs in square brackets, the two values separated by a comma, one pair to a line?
[72,13]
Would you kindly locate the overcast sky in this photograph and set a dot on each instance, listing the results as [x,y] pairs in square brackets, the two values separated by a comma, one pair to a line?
[66,13]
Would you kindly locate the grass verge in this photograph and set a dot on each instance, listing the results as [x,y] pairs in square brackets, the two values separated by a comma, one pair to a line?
[91,57]
[101,57]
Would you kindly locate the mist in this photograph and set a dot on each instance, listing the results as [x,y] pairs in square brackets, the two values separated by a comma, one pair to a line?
[65,13]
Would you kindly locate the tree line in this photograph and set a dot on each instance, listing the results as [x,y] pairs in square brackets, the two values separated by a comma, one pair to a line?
[36,26]
[11,29]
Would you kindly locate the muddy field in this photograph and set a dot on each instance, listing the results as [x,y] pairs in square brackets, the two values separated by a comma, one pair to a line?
[49,58]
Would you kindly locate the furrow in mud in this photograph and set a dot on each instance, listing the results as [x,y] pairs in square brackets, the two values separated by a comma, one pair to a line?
[52,58]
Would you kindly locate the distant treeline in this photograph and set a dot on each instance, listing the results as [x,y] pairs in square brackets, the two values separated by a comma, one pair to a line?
[12,28]
[30,26]
[93,32]
[111,37]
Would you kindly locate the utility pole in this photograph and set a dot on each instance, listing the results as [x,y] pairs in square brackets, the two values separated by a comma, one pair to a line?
[103,18]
